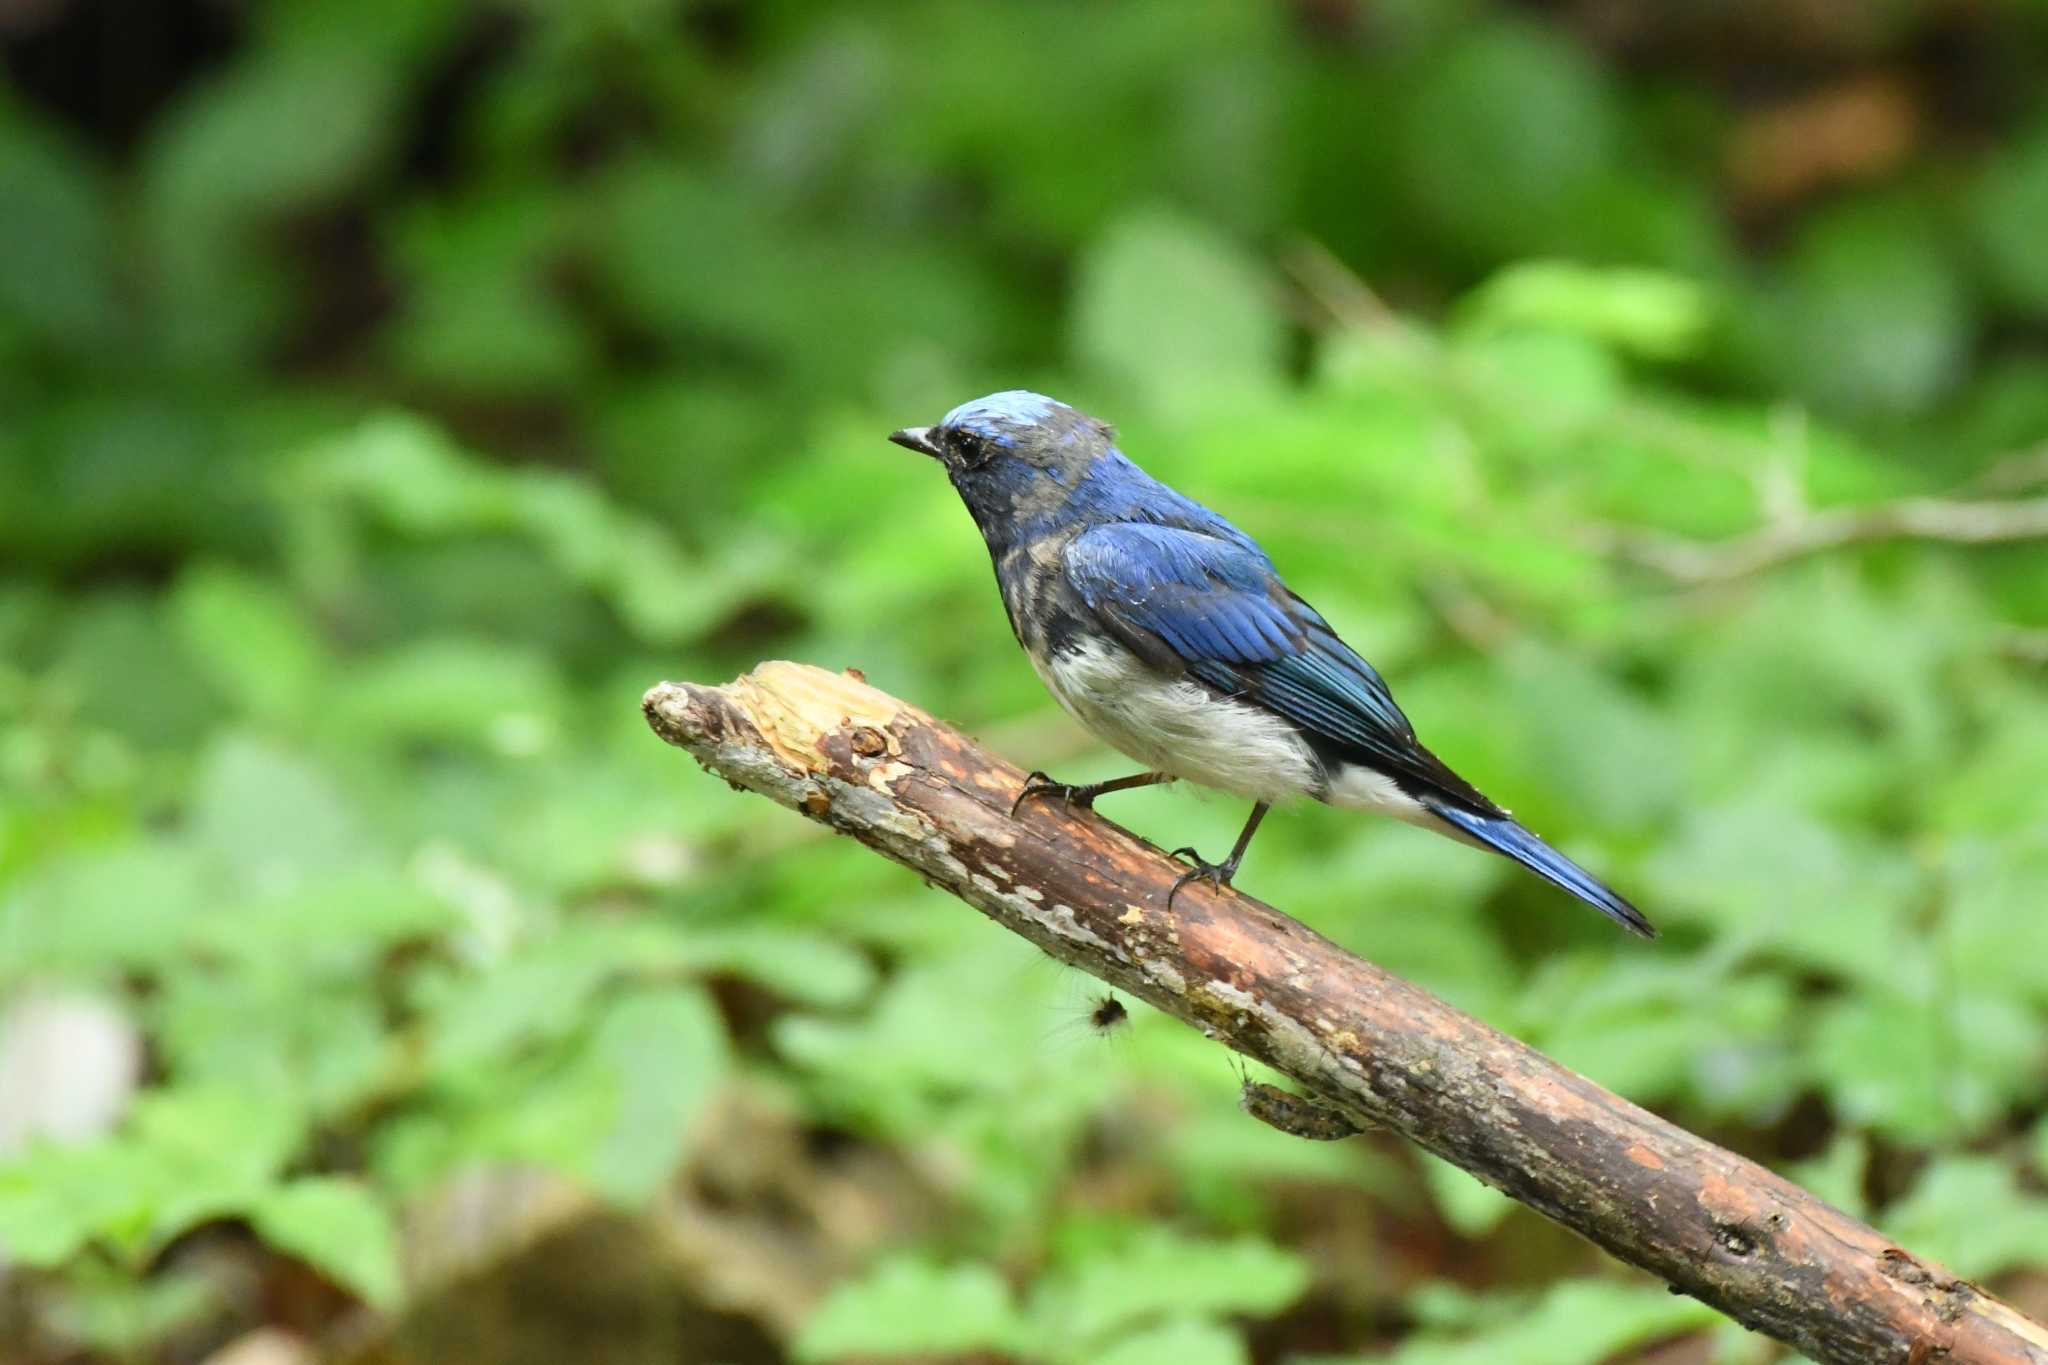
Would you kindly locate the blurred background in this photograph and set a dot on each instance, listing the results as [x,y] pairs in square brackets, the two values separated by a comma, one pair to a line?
[390,392]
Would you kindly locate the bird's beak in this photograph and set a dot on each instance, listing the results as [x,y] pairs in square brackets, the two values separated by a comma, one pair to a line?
[918,439]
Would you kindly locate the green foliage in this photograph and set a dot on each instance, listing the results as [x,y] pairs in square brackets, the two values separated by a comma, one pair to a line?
[1171,312]
[338,1226]
[1137,1295]
[906,1307]
[1970,1214]
[1573,1322]
[420,382]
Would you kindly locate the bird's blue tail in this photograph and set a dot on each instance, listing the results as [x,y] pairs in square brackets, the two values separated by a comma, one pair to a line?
[1505,836]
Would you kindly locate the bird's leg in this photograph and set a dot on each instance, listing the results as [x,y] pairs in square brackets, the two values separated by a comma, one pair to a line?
[1038,784]
[1218,875]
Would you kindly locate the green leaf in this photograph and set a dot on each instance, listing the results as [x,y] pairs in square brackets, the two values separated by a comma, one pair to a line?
[1927,1066]
[111,640]
[249,637]
[272,818]
[1873,317]
[338,1227]
[1971,1214]
[214,1151]
[1837,1174]
[56,242]
[809,969]
[1560,383]
[1185,1341]
[1573,1322]
[668,1051]
[188,1155]
[274,131]
[1507,132]
[431,692]
[1153,1273]
[237,1139]
[1645,312]
[479,317]
[908,1306]
[539,995]
[340,922]
[415,479]
[1655,1028]
[54,1201]
[307,1042]
[1167,307]
[2008,207]
[1472,1207]
[927,1040]
[122,1315]
[1991,934]
[1735,865]
[132,904]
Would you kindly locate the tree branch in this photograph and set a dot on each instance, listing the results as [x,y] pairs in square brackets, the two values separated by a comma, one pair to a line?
[1953,521]
[1363,1042]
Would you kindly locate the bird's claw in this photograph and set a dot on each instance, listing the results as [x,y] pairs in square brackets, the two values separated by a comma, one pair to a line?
[1218,875]
[1038,784]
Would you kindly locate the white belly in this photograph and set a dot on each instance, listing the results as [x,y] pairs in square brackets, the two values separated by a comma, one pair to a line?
[1184,729]
[1180,727]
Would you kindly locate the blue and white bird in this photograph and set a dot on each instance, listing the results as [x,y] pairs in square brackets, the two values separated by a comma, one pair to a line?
[1168,633]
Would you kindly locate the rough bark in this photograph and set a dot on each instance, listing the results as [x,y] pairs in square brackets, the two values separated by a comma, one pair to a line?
[1382,1051]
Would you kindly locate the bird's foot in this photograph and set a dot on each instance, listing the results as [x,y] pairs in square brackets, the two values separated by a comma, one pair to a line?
[1217,875]
[1038,784]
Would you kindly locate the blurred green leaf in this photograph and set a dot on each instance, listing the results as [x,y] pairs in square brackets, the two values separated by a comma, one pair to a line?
[808,969]
[1166,307]
[1572,1322]
[262,137]
[1108,1285]
[54,1201]
[272,819]
[56,241]
[1923,1067]
[1735,865]
[1645,312]
[430,692]
[479,317]
[1837,1174]
[668,1051]
[310,1043]
[1471,1207]
[250,637]
[414,479]
[135,904]
[2008,206]
[1654,1028]
[340,1228]
[1990,938]
[188,1155]
[1970,1214]
[1872,316]
[1183,1342]
[117,1314]
[908,1306]
[1506,129]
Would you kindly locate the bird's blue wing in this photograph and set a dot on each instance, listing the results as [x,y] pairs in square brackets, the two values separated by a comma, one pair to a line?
[1217,609]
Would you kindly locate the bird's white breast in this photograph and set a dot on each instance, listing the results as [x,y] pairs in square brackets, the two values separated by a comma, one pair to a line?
[1178,726]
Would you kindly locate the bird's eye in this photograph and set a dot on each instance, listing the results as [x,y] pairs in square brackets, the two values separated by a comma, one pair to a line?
[970,445]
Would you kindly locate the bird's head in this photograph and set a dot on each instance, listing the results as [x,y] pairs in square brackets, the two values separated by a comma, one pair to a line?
[1015,457]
